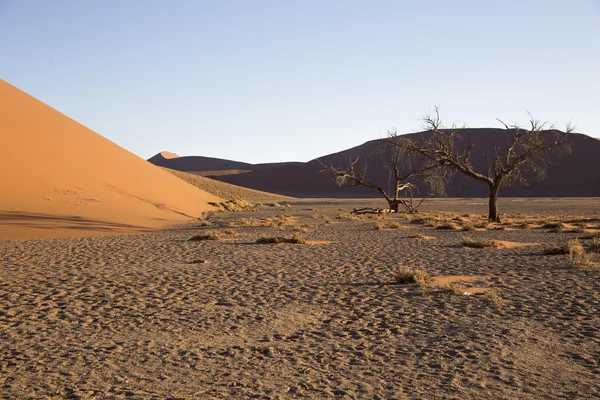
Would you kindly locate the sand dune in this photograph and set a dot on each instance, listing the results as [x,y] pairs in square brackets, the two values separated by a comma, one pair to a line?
[60,179]
[225,190]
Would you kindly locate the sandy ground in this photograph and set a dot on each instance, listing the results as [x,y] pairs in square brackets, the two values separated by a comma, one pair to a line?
[156,316]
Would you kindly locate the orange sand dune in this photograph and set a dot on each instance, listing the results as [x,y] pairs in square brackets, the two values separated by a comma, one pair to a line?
[60,179]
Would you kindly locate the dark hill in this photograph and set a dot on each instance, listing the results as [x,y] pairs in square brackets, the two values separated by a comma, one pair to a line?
[575,175]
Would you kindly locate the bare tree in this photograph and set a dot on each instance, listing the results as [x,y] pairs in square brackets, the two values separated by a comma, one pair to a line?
[401,173]
[525,157]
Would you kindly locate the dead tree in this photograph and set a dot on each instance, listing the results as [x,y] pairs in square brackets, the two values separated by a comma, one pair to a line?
[399,167]
[525,158]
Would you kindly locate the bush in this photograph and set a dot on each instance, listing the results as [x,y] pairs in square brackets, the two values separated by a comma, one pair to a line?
[207,236]
[406,274]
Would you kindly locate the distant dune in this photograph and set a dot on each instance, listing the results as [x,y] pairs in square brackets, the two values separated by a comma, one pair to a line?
[224,190]
[60,179]
[574,175]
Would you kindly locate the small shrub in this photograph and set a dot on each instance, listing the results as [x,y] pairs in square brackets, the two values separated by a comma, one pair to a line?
[595,246]
[206,236]
[447,226]
[406,274]
[468,227]
[577,256]
[494,297]
[229,231]
[482,225]
[294,239]
[451,288]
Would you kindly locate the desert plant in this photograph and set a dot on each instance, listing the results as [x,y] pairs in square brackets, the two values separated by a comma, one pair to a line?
[402,174]
[477,244]
[493,296]
[577,256]
[526,155]
[294,239]
[451,288]
[595,246]
[206,236]
[445,225]
[229,231]
[406,274]
[468,227]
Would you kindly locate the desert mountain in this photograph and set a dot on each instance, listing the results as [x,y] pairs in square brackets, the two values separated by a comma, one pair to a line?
[60,179]
[574,175]
[209,166]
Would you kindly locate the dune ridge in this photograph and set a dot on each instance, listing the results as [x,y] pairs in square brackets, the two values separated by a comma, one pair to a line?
[61,179]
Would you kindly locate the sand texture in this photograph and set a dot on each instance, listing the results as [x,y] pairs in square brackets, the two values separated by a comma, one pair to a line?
[60,179]
[157,316]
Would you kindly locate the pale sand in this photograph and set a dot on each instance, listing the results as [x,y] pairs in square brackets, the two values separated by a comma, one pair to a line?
[60,179]
[156,316]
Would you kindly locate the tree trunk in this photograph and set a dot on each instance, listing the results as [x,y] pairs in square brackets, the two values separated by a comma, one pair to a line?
[494,215]
[394,205]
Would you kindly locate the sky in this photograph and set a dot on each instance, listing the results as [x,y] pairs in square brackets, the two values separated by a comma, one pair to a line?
[267,81]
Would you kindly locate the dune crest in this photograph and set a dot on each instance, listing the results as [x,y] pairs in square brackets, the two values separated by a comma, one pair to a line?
[61,179]
[168,155]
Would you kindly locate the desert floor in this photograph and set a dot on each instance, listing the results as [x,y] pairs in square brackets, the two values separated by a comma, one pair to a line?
[156,316]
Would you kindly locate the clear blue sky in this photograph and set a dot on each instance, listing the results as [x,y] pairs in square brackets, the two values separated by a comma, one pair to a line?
[263,81]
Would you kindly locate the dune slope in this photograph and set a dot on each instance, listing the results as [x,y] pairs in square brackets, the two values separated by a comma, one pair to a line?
[225,190]
[61,179]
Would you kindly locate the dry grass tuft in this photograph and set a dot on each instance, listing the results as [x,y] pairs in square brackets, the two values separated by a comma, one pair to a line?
[406,274]
[493,296]
[446,225]
[234,205]
[468,227]
[451,288]
[478,244]
[595,245]
[482,225]
[296,239]
[229,231]
[206,236]
[388,225]
[577,256]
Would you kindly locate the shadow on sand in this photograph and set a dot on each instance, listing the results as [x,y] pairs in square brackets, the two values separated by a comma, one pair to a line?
[46,221]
